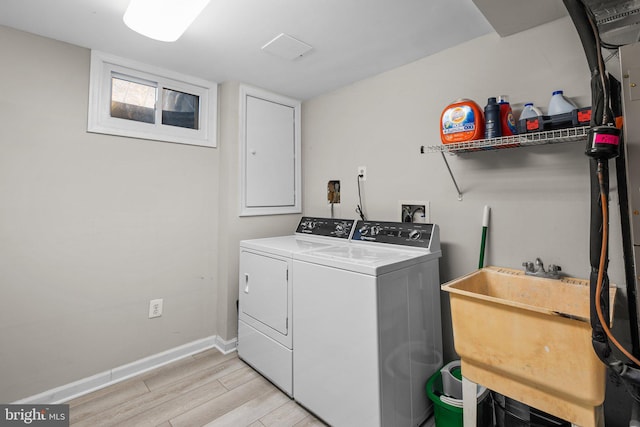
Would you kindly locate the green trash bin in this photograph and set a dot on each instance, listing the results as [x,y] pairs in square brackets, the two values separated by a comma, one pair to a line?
[448,411]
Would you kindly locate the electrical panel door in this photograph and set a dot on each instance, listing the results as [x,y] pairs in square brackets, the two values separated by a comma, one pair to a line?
[270,176]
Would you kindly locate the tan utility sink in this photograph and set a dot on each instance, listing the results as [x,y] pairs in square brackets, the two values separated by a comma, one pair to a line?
[529,338]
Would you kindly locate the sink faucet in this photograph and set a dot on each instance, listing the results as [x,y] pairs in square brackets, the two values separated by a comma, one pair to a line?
[538,270]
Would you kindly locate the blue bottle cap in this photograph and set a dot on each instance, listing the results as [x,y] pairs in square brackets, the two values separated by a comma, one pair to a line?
[555,92]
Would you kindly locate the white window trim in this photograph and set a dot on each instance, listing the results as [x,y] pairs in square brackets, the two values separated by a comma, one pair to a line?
[100,120]
[246,91]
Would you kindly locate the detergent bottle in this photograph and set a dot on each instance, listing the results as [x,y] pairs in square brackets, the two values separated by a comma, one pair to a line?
[492,128]
[507,122]
[559,104]
[530,111]
[461,121]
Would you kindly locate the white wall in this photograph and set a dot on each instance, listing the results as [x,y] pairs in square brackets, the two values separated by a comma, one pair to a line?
[539,196]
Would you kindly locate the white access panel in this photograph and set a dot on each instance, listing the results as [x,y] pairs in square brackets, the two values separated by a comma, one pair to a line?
[270,153]
[264,291]
[270,141]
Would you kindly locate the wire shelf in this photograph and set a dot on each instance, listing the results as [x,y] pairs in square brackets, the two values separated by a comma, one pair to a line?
[522,140]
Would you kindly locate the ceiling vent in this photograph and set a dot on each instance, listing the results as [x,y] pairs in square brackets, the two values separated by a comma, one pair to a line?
[286,47]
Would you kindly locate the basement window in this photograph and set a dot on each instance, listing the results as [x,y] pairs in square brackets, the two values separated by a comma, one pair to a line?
[180,109]
[139,101]
[132,100]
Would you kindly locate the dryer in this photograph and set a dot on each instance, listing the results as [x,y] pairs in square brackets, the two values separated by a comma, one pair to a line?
[367,325]
[266,285]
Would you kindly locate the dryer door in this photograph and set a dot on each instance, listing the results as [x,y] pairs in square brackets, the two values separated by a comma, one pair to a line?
[264,290]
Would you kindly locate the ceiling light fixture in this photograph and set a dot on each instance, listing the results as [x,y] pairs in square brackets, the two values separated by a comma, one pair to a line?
[163,20]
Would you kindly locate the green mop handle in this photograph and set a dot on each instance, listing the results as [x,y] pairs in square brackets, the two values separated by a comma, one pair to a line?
[485,226]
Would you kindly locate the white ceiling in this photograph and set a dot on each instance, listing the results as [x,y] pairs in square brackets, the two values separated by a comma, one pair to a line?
[351,39]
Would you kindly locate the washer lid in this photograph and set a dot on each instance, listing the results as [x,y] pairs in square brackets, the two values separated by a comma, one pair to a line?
[286,245]
[366,258]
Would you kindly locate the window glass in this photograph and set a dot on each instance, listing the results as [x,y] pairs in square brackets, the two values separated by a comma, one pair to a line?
[136,100]
[180,109]
[132,100]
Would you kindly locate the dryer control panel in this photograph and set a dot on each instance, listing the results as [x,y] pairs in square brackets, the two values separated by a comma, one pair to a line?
[398,233]
[328,227]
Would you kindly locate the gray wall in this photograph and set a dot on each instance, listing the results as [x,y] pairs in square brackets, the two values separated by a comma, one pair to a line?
[92,227]
[233,228]
[539,196]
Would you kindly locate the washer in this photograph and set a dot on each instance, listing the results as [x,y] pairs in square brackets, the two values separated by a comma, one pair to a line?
[367,325]
[265,294]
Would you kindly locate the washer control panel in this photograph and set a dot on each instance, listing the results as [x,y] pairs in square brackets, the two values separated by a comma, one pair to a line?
[329,227]
[396,233]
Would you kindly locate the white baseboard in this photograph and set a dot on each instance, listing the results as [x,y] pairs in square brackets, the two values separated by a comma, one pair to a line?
[95,382]
[226,347]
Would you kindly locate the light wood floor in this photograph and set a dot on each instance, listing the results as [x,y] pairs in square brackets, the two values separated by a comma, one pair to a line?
[208,388]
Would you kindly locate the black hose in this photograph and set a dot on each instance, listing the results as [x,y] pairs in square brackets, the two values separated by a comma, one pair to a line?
[578,14]
[580,17]
[599,171]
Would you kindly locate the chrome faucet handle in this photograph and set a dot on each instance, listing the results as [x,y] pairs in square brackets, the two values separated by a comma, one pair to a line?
[554,268]
[528,266]
[537,269]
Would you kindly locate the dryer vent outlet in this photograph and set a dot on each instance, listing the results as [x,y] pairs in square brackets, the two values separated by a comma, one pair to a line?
[414,211]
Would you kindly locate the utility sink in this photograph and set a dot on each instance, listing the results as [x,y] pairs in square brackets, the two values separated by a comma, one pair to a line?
[529,338]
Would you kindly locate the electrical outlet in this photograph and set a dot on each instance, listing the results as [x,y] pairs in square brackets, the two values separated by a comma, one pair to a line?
[155,308]
[362,173]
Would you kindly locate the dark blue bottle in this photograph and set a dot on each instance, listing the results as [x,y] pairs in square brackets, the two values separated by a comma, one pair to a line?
[492,127]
